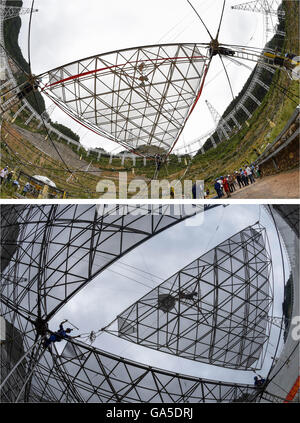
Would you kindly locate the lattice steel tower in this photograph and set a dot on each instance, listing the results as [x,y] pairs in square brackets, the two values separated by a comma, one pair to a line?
[9,12]
[269,8]
[222,126]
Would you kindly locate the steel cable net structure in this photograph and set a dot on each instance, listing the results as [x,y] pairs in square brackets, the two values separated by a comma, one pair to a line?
[46,247]
[214,310]
[48,253]
[137,97]
[141,97]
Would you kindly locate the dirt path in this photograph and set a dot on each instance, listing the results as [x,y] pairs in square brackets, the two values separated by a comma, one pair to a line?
[282,185]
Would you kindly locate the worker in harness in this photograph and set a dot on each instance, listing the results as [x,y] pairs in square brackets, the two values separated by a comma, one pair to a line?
[187,295]
[59,335]
[215,49]
[28,88]
[259,382]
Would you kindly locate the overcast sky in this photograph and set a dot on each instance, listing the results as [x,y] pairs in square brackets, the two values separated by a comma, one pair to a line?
[65,31]
[111,293]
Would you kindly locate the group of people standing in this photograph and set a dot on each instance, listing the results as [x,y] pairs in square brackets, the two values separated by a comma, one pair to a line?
[7,177]
[242,178]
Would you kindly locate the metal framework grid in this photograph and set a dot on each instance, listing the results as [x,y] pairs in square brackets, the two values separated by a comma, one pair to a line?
[9,12]
[99,109]
[31,238]
[141,96]
[214,310]
[261,6]
[136,97]
[55,250]
[83,374]
[98,376]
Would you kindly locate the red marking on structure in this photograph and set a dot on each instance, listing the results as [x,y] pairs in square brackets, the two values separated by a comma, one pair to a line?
[124,145]
[70,78]
[291,395]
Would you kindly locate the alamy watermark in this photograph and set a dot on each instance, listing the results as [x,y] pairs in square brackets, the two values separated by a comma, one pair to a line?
[158,211]
[295,328]
[154,189]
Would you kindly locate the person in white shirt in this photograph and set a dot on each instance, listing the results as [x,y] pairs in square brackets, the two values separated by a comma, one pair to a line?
[3,174]
[249,174]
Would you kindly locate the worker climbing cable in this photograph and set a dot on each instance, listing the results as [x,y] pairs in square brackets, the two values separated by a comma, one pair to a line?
[59,335]
[187,295]
[28,88]
[24,90]
[259,381]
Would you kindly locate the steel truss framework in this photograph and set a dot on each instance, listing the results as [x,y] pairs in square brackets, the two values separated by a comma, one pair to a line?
[81,373]
[222,128]
[85,374]
[136,97]
[261,6]
[270,9]
[37,240]
[214,310]
[140,96]
[55,250]
[9,12]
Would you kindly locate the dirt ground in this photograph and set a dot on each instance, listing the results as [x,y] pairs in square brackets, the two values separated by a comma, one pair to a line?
[283,185]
